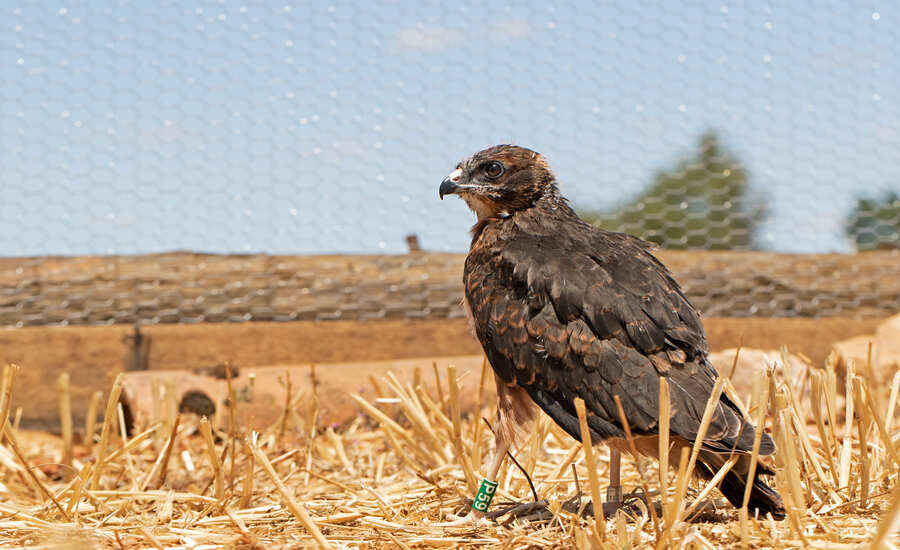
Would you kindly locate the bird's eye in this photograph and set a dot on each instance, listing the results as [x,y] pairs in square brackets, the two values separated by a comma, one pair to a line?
[493,169]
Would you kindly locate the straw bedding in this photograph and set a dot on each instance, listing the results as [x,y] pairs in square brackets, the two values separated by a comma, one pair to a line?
[410,459]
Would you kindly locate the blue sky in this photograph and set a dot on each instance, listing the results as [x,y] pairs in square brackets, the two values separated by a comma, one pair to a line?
[326,126]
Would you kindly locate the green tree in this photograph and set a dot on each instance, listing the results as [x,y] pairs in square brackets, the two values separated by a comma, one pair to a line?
[875,224]
[702,203]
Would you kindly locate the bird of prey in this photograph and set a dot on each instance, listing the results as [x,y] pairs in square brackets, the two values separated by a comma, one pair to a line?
[565,310]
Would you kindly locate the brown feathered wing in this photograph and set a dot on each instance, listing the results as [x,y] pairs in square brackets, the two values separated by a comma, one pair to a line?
[573,311]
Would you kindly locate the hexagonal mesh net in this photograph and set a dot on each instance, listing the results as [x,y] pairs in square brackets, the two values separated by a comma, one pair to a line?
[283,131]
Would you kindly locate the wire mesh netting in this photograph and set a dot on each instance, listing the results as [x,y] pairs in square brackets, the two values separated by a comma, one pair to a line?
[279,129]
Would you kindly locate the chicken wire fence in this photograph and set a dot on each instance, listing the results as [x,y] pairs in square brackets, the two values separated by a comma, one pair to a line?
[266,137]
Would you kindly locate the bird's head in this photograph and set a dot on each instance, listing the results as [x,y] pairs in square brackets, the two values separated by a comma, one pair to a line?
[501,180]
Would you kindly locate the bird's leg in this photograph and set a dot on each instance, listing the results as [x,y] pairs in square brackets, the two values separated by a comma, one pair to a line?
[614,491]
[483,498]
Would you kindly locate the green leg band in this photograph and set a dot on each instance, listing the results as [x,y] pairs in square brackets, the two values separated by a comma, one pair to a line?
[484,496]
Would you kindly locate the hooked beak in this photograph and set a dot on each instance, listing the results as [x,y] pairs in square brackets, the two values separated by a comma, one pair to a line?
[450,185]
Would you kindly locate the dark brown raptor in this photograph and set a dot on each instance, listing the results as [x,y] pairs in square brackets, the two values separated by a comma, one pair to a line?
[564,310]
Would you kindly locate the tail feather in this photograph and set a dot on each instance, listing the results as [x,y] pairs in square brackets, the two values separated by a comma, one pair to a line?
[763,498]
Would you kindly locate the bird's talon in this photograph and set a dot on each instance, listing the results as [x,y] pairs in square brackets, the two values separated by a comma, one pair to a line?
[520,509]
[611,507]
[471,520]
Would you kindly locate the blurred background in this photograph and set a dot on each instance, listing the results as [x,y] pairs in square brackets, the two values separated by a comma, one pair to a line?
[325,127]
[182,163]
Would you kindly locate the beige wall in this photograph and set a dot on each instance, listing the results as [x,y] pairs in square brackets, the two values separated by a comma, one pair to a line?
[94,355]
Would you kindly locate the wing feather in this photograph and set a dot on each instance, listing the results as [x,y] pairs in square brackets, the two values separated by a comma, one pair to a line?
[581,312]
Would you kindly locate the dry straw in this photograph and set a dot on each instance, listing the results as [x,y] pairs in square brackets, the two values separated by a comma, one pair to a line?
[391,476]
